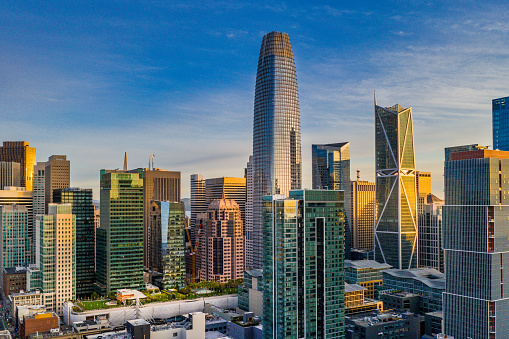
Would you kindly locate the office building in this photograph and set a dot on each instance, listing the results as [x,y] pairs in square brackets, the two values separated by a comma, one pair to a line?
[476,233]
[120,235]
[355,301]
[198,202]
[331,171]
[10,174]
[56,255]
[363,215]
[14,236]
[384,326]
[303,271]
[83,209]
[396,196]
[463,148]
[22,153]
[248,223]
[168,243]
[251,292]
[500,116]
[276,130]
[158,185]
[14,280]
[221,248]
[39,189]
[431,252]
[227,188]
[57,174]
[366,273]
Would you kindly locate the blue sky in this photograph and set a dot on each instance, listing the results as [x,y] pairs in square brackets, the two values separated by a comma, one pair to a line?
[176,79]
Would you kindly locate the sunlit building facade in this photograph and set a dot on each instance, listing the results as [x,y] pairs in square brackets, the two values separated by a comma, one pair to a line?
[396,196]
[303,265]
[57,174]
[276,130]
[362,214]
[22,153]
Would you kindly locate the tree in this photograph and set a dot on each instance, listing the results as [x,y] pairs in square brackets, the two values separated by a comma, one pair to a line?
[94,296]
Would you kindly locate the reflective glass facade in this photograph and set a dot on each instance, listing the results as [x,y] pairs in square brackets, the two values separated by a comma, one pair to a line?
[396,196]
[14,233]
[475,235]
[303,265]
[83,209]
[500,115]
[276,130]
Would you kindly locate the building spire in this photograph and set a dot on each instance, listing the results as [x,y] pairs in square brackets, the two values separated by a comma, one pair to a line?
[374,96]
[125,161]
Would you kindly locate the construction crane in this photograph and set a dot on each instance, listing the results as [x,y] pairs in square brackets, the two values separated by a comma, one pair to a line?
[194,250]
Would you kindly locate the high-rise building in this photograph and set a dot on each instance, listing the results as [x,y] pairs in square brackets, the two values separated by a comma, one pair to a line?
[20,196]
[248,223]
[168,243]
[500,115]
[56,255]
[82,207]
[198,202]
[276,130]
[39,188]
[22,153]
[14,236]
[303,265]
[431,252]
[221,248]
[120,235]
[396,188]
[57,175]
[10,174]
[363,211]
[464,148]
[331,171]
[158,185]
[476,229]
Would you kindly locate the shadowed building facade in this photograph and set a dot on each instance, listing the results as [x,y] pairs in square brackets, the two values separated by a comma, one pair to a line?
[9,174]
[396,188]
[500,118]
[276,130]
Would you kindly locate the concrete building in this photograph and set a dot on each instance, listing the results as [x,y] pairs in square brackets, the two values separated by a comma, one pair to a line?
[10,174]
[56,255]
[401,301]
[277,167]
[22,153]
[82,207]
[476,233]
[384,326]
[41,322]
[396,188]
[14,280]
[221,249]
[39,188]
[57,174]
[251,292]
[366,273]
[363,211]
[14,236]
[303,267]
[25,298]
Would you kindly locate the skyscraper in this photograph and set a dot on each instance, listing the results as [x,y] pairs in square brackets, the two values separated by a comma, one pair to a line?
[276,130]
[431,252]
[198,201]
[331,171]
[476,233]
[14,236]
[248,225]
[303,265]
[39,188]
[83,209]
[363,209]
[396,196]
[9,174]
[57,174]
[22,153]
[120,235]
[500,115]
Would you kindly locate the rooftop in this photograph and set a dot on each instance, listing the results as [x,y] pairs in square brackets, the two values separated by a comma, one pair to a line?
[353,288]
[428,276]
[363,264]
[380,318]
[255,272]
[15,270]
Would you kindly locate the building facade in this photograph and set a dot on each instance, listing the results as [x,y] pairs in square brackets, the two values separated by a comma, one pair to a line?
[276,130]
[431,251]
[39,189]
[396,196]
[198,202]
[10,174]
[248,225]
[168,243]
[303,254]
[476,229]
[57,174]
[56,255]
[14,232]
[83,209]
[120,235]
[221,249]
[366,273]
[362,214]
[500,117]
[22,153]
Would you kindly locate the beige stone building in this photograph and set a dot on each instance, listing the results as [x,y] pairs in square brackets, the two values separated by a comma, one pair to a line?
[57,175]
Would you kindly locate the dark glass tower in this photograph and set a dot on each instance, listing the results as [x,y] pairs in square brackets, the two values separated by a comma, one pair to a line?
[500,114]
[396,189]
[276,130]
[82,207]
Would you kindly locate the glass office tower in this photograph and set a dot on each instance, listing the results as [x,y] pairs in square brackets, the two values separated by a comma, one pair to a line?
[396,196]
[476,233]
[303,265]
[83,209]
[14,236]
[500,115]
[276,130]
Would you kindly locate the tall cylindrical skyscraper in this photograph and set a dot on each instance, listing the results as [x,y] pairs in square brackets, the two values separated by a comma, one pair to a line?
[276,131]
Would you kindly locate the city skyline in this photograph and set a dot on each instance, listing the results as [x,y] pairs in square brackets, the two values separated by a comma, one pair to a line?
[75,80]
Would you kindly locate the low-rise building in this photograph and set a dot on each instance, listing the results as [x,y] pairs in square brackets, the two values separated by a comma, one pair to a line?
[401,301]
[384,326]
[356,303]
[41,322]
[27,310]
[25,298]
[367,273]
[14,280]
[433,323]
